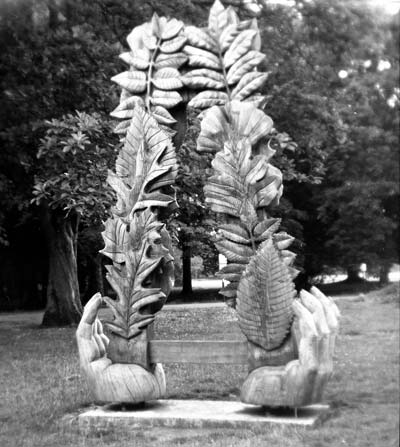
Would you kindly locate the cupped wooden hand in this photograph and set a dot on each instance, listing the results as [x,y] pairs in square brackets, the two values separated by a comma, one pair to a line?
[300,382]
[110,382]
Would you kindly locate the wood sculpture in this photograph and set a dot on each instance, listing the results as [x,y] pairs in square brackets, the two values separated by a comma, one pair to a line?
[290,339]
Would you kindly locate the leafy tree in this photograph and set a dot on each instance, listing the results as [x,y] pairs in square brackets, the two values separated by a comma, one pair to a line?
[75,154]
[58,57]
[322,113]
[359,205]
[51,63]
[193,222]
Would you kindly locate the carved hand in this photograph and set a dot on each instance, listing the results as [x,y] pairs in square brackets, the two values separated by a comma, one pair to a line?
[301,381]
[112,382]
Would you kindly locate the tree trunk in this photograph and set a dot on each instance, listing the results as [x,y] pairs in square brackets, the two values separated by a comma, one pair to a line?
[99,273]
[353,273]
[384,274]
[63,301]
[186,270]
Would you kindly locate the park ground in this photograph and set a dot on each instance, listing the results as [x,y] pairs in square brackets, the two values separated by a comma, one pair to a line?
[42,389]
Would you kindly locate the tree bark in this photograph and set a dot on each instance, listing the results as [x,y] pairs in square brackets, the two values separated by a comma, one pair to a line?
[63,305]
[384,273]
[99,273]
[353,273]
[186,270]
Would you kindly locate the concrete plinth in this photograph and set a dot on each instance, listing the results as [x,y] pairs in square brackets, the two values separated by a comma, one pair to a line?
[196,414]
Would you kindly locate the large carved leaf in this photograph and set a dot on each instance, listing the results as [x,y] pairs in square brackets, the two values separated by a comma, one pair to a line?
[242,182]
[264,298]
[145,167]
[242,186]
[153,79]
[221,56]
[238,121]
[116,239]
[136,277]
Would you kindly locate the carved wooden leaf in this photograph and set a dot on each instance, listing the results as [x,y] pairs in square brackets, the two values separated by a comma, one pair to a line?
[270,189]
[173,45]
[126,107]
[227,36]
[234,252]
[240,119]
[238,186]
[145,166]
[283,240]
[167,130]
[135,38]
[245,64]
[170,28]
[208,98]
[167,99]
[163,116]
[139,59]
[173,60]
[266,228]
[257,100]
[239,47]
[220,17]
[122,127]
[167,79]
[200,38]
[257,38]
[242,184]
[235,232]
[153,77]
[250,83]
[226,46]
[122,114]
[264,298]
[214,19]
[204,78]
[202,58]
[133,309]
[115,238]
[149,39]
[133,81]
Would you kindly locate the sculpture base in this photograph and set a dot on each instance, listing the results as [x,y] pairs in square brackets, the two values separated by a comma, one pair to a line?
[196,414]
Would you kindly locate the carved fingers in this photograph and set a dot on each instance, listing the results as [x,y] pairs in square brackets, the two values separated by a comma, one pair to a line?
[89,315]
[302,381]
[100,338]
[112,382]
[325,315]
[332,313]
[92,342]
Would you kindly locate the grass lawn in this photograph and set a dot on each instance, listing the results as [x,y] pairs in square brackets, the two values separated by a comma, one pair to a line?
[40,383]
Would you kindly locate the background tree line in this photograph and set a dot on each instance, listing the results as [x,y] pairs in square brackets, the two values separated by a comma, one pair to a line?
[333,87]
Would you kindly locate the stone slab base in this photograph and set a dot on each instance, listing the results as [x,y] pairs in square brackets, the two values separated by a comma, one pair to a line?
[196,414]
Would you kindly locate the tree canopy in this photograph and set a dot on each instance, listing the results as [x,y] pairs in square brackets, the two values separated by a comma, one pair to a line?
[332,87]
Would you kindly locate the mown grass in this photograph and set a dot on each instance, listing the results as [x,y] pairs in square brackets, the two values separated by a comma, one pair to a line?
[42,390]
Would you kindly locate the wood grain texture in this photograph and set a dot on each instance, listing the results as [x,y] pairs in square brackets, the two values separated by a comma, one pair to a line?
[264,298]
[204,352]
[108,381]
[142,272]
[129,351]
[128,383]
[153,80]
[301,381]
[223,58]
[242,186]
